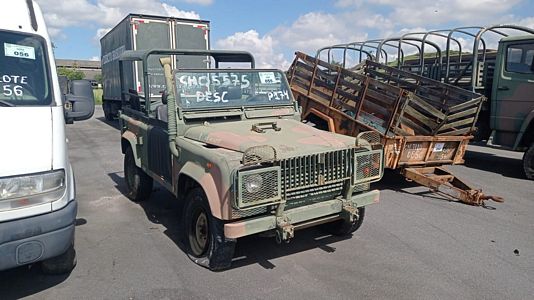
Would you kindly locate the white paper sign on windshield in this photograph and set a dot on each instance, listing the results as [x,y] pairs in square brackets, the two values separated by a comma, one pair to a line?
[19,51]
[267,77]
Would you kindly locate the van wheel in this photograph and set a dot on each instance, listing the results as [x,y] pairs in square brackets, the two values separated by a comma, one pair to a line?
[344,227]
[138,182]
[61,264]
[528,162]
[204,234]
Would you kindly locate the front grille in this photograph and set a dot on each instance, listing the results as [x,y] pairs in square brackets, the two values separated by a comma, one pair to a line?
[312,195]
[238,214]
[316,169]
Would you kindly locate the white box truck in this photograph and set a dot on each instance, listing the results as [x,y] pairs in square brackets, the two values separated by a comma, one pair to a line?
[37,194]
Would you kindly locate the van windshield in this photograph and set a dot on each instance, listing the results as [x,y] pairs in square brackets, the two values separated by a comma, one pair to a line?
[24,78]
[236,88]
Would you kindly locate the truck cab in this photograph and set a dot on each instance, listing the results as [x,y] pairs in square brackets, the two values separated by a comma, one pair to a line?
[512,98]
[230,145]
[37,195]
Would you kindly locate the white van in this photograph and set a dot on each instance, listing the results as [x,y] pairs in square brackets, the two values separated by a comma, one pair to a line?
[37,194]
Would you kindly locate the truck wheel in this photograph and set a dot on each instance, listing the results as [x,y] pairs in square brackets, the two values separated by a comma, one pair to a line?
[106,106]
[138,182]
[204,234]
[61,264]
[528,162]
[343,227]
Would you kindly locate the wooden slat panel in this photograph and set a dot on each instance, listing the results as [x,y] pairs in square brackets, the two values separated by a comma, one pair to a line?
[422,118]
[429,108]
[456,132]
[418,129]
[468,121]
[464,113]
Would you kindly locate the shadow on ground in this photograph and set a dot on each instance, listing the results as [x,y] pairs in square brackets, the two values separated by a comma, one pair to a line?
[114,123]
[508,167]
[162,208]
[26,281]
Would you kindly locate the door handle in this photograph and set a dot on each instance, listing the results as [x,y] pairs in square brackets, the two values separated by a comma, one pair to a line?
[503,88]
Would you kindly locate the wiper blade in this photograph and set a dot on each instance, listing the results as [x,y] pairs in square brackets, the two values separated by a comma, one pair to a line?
[5,103]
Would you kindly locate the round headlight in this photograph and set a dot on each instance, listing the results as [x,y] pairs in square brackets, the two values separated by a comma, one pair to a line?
[253,183]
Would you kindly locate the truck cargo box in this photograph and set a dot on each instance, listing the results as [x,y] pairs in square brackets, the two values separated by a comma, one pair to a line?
[141,32]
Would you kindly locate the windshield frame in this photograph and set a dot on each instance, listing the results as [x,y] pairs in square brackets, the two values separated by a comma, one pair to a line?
[290,102]
[46,64]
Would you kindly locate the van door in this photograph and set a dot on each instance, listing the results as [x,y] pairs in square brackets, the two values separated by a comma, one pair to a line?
[513,90]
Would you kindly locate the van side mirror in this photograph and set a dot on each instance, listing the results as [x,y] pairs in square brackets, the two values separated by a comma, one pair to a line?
[80,102]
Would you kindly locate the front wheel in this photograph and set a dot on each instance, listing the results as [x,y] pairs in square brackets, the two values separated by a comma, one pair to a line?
[528,162]
[204,234]
[138,182]
[344,227]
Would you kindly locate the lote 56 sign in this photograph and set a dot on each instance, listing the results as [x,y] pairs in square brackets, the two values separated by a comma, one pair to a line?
[12,85]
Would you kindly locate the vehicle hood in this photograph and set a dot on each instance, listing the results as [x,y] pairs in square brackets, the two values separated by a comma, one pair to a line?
[293,138]
[25,140]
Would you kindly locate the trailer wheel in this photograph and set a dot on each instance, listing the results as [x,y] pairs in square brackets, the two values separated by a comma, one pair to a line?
[344,227]
[528,162]
[61,264]
[204,234]
[138,182]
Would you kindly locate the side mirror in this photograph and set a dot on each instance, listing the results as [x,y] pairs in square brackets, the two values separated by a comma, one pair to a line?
[80,102]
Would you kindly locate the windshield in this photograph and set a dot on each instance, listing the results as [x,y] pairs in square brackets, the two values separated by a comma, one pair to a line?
[24,77]
[232,88]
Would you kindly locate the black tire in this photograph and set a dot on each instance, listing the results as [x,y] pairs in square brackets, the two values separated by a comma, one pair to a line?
[139,184]
[61,264]
[204,237]
[343,227]
[106,106]
[528,162]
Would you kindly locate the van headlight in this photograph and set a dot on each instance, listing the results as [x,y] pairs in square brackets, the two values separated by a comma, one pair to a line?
[258,186]
[32,189]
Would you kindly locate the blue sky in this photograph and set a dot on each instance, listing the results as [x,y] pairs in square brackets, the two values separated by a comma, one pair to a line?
[273,30]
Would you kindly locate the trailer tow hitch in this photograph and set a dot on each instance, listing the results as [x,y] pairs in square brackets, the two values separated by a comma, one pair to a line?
[442,181]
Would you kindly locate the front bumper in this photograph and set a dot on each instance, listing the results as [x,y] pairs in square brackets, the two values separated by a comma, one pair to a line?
[303,216]
[37,238]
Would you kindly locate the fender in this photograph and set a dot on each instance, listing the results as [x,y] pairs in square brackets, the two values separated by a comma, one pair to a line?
[131,138]
[219,201]
[526,122]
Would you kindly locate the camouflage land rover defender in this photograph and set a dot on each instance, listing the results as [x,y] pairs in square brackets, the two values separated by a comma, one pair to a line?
[230,144]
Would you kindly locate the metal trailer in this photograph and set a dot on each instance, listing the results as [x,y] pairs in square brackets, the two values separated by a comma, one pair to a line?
[465,59]
[142,32]
[423,124]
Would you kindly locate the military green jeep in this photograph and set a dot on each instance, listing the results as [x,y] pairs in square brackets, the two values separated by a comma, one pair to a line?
[230,144]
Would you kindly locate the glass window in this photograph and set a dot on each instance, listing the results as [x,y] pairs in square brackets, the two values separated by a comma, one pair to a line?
[24,78]
[519,58]
[236,88]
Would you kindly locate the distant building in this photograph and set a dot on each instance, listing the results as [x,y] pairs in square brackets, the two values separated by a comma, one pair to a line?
[91,68]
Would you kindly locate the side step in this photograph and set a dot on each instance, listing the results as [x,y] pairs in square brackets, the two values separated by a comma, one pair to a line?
[442,181]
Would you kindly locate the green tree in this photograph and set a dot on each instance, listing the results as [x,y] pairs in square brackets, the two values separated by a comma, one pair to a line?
[98,78]
[71,73]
